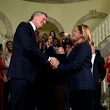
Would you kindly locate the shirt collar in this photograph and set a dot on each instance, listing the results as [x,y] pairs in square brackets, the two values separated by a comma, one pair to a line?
[94,54]
[33,26]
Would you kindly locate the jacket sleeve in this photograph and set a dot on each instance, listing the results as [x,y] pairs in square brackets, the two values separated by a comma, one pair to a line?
[102,69]
[77,60]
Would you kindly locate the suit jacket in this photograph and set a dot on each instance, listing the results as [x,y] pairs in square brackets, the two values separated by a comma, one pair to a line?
[78,68]
[99,71]
[25,56]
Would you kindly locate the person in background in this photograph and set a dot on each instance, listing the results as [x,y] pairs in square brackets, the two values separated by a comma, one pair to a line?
[43,43]
[78,68]
[7,57]
[59,81]
[68,48]
[45,37]
[25,60]
[107,66]
[49,49]
[62,39]
[56,43]
[65,38]
[99,73]
[2,79]
[53,34]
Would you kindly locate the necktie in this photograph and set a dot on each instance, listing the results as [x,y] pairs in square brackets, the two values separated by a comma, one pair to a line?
[36,35]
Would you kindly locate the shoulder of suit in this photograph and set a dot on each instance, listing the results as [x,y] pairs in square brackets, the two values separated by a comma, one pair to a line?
[84,45]
[25,24]
[98,52]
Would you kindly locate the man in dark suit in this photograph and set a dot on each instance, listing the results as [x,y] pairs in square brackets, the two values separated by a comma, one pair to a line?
[99,73]
[24,63]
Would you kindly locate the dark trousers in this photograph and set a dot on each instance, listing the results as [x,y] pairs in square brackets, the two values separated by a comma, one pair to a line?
[7,95]
[67,102]
[97,98]
[22,95]
[59,97]
[82,100]
[43,93]
[43,98]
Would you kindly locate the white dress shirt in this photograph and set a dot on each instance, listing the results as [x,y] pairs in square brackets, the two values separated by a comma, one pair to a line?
[92,61]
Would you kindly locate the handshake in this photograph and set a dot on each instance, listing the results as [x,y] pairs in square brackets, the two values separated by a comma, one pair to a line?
[54,62]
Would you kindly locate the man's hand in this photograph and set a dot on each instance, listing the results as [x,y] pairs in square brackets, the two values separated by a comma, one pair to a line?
[54,62]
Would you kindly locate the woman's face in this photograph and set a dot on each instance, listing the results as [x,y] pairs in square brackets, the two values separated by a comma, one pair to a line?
[9,46]
[52,33]
[50,39]
[76,35]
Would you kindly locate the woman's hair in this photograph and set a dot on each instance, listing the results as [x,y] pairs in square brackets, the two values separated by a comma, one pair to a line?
[53,33]
[86,33]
